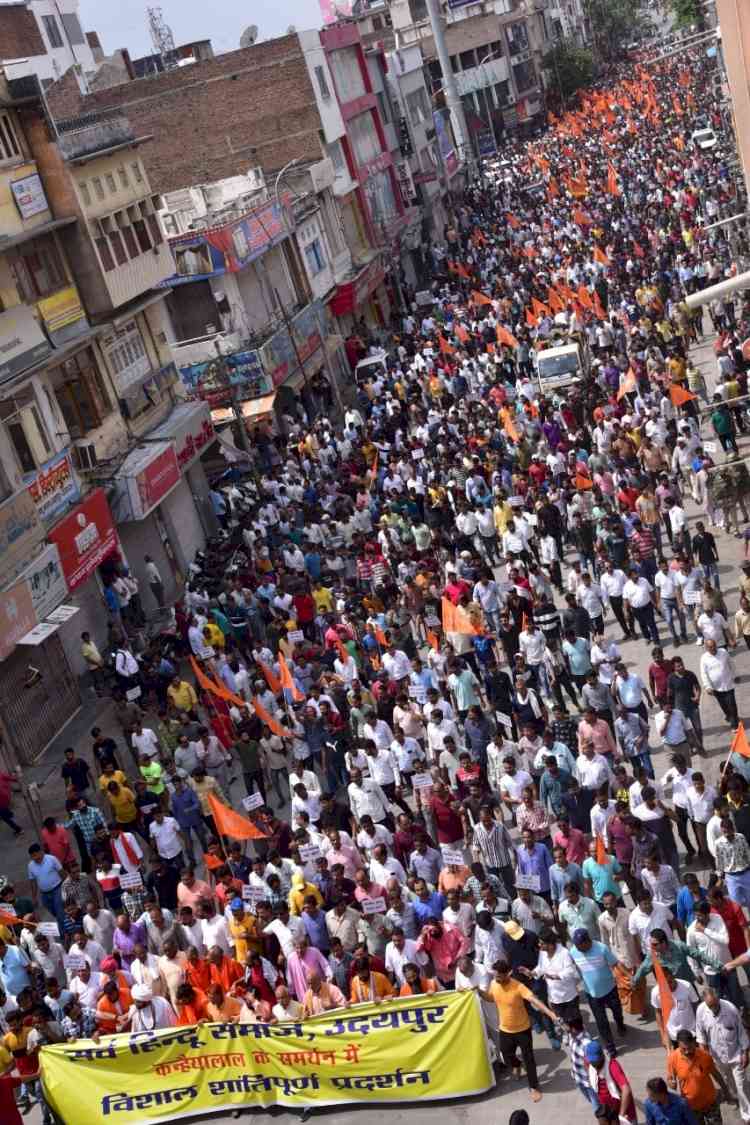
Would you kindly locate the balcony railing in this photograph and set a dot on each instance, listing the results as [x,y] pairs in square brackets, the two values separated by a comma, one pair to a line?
[92,132]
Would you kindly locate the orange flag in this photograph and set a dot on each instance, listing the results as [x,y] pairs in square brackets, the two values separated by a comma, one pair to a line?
[455,619]
[538,308]
[342,649]
[679,143]
[601,852]
[462,271]
[628,384]
[480,298]
[230,823]
[380,637]
[577,188]
[583,484]
[267,718]
[506,337]
[666,999]
[600,256]
[530,319]
[684,78]
[740,744]
[445,347]
[552,189]
[581,218]
[287,680]
[554,300]
[612,185]
[599,307]
[12,919]
[211,861]
[679,396]
[512,221]
[585,297]
[509,425]
[273,682]
[432,640]
[461,333]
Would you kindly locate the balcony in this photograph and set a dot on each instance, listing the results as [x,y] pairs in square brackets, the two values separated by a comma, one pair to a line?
[479,77]
[134,278]
[81,138]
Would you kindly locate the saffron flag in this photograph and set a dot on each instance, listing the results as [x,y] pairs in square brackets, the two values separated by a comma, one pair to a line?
[679,396]
[512,221]
[555,301]
[230,823]
[461,333]
[273,682]
[432,640]
[480,298]
[455,619]
[462,271]
[739,742]
[445,347]
[509,425]
[600,256]
[601,852]
[380,637]
[267,718]
[530,319]
[287,680]
[538,308]
[581,218]
[612,185]
[585,297]
[666,1000]
[552,189]
[627,385]
[583,484]
[212,861]
[599,309]
[12,919]
[505,337]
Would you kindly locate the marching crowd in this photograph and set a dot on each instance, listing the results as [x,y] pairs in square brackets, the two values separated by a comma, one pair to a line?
[404,654]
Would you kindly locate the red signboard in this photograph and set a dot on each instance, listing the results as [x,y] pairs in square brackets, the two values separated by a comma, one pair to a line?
[154,481]
[353,294]
[85,538]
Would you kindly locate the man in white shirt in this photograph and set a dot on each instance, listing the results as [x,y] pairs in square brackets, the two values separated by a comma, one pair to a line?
[366,798]
[612,583]
[646,917]
[168,840]
[531,643]
[637,595]
[401,951]
[589,595]
[396,663]
[384,867]
[717,677]
[556,967]
[671,728]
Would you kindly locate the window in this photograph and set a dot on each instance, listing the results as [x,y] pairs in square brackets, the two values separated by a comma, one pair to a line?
[416,103]
[118,248]
[315,257]
[98,187]
[111,185]
[20,443]
[127,356]
[141,234]
[72,27]
[518,37]
[320,77]
[137,173]
[455,64]
[385,116]
[377,23]
[39,270]
[418,10]
[502,92]
[154,230]
[81,393]
[524,76]
[124,181]
[468,59]
[105,254]
[53,31]
[365,140]
[345,67]
[85,194]
[435,72]
[130,242]
[9,146]
[337,157]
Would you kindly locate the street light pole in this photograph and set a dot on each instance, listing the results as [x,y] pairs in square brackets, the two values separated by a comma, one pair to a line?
[452,98]
[488,100]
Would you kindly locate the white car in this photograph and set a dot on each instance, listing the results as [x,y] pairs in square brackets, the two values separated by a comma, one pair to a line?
[704,139]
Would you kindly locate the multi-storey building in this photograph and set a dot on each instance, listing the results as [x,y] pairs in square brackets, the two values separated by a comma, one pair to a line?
[99,460]
[45,38]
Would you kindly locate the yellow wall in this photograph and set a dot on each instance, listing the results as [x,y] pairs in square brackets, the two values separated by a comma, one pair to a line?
[11,222]
[99,167]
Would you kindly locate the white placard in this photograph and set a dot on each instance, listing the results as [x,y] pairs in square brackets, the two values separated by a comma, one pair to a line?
[431,620]
[504,719]
[709,446]
[527,882]
[133,694]
[505,587]
[691,597]
[48,929]
[418,692]
[253,894]
[455,858]
[417,454]
[296,637]
[309,852]
[503,906]
[75,961]
[515,501]
[131,880]
[254,801]
[422,781]
[373,905]
[531,519]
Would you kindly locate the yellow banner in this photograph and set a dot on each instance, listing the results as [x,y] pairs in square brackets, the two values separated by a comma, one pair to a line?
[410,1049]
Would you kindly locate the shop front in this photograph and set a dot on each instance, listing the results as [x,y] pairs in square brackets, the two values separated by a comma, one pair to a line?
[191,430]
[363,297]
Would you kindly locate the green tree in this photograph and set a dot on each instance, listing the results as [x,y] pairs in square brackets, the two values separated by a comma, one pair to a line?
[612,24]
[689,13]
[570,67]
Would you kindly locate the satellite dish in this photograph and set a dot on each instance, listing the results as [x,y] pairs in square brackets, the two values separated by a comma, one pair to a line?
[249,35]
[291,30]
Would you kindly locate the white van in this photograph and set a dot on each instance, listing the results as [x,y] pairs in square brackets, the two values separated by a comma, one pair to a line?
[559,367]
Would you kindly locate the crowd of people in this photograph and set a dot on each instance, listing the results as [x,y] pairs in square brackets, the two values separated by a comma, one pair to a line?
[403,651]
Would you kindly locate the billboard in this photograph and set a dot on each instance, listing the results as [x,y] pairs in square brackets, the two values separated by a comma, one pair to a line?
[208,380]
[445,142]
[226,249]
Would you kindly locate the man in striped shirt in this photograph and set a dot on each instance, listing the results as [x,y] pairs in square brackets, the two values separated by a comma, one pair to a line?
[492,844]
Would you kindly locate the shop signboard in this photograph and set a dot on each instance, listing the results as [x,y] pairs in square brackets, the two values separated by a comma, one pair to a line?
[228,248]
[28,193]
[145,478]
[190,429]
[46,581]
[208,381]
[445,143]
[292,346]
[60,311]
[85,538]
[54,487]
[21,532]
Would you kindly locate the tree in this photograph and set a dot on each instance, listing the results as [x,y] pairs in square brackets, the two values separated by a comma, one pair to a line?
[689,13]
[570,67]
[612,24]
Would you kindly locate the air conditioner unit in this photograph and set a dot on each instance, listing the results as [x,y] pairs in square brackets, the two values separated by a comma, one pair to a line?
[84,456]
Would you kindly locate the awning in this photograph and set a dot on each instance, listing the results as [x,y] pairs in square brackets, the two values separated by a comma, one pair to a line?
[252,408]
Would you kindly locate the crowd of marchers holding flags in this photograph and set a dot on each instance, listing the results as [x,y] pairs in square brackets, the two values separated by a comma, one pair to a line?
[411,653]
